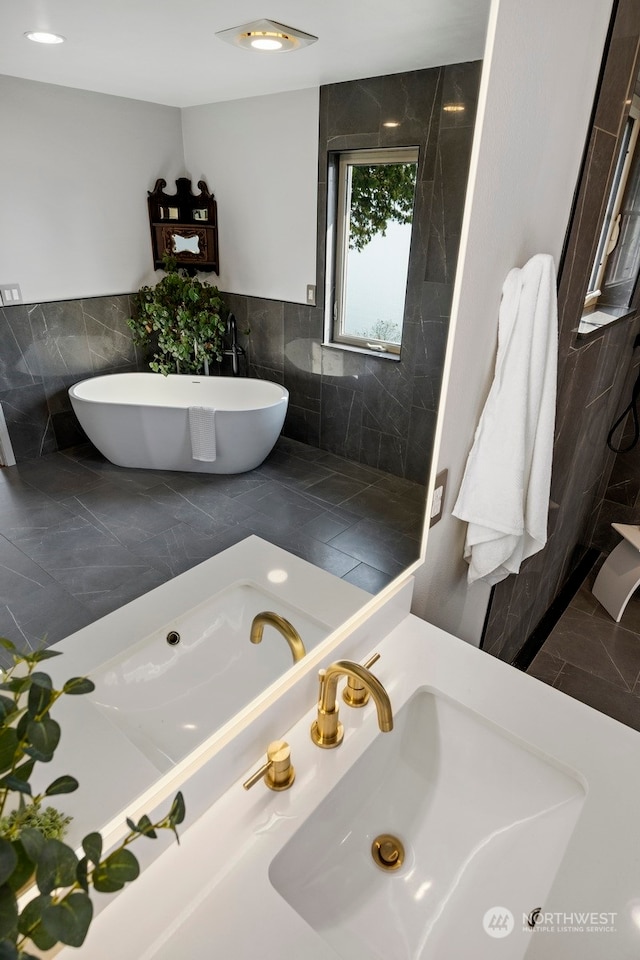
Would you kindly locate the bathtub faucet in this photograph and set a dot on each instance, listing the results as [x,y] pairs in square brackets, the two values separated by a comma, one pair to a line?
[288,631]
[232,328]
[235,351]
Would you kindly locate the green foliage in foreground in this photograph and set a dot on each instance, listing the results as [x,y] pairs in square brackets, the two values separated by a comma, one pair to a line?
[62,910]
[182,320]
[50,822]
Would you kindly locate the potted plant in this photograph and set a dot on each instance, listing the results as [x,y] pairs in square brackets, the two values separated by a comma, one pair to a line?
[182,319]
[31,849]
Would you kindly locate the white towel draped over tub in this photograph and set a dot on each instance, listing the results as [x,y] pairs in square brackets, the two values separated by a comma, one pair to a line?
[504,495]
[202,428]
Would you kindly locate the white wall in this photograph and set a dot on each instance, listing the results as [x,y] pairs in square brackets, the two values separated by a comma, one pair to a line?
[75,169]
[538,87]
[260,159]
[76,166]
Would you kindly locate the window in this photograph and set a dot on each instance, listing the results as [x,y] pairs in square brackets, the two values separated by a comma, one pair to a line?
[617,248]
[372,193]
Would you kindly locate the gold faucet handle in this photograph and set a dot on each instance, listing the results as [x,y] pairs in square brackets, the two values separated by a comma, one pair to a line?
[277,772]
[354,693]
[321,682]
[326,730]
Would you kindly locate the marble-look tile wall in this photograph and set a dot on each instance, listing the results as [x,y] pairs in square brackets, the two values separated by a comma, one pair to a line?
[621,501]
[594,374]
[379,412]
[44,349]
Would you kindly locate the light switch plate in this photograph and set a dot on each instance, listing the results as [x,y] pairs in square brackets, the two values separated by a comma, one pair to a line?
[10,294]
[437,504]
[311,295]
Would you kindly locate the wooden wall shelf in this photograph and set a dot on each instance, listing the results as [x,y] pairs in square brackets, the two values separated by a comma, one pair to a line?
[184,226]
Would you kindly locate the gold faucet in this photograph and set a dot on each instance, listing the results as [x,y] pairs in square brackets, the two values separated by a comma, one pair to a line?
[288,631]
[327,731]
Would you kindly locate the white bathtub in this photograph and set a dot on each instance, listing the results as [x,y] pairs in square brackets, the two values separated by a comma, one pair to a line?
[142,419]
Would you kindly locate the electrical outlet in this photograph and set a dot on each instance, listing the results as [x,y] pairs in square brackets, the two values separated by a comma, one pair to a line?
[437,503]
[311,294]
[10,294]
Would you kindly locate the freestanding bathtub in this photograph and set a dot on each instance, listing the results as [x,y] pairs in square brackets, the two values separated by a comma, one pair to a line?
[143,419]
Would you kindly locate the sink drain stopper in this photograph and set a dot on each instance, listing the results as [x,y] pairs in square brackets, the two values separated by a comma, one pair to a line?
[387,852]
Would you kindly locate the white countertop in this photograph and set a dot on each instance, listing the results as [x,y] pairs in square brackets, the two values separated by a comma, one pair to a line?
[211,895]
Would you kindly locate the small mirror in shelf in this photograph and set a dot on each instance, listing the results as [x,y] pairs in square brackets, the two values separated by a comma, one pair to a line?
[185,244]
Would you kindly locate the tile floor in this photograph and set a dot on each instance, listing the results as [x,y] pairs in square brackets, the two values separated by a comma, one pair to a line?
[590,657]
[80,536]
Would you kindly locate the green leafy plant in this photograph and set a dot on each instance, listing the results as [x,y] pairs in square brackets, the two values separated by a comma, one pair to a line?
[182,319]
[379,193]
[61,909]
[50,822]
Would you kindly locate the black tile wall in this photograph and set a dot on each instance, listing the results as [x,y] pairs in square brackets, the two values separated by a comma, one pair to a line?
[376,411]
[620,502]
[594,383]
[47,347]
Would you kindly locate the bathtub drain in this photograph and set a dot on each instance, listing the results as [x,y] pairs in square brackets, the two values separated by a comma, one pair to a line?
[173,637]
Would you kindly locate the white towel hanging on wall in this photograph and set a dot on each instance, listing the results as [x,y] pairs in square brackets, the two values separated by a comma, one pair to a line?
[504,495]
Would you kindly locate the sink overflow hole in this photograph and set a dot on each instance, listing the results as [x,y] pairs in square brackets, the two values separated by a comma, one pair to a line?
[173,637]
[387,852]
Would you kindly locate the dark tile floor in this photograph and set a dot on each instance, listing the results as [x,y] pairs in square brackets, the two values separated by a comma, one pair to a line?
[590,657]
[80,536]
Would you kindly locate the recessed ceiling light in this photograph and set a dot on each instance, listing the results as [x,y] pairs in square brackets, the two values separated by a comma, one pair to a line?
[267,36]
[454,108]
[39,36]
[391,123]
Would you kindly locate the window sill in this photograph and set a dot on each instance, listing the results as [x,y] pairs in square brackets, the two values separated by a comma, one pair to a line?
[592,322]
[349,348]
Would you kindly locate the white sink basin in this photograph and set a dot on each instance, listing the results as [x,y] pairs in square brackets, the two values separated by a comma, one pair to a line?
[168,698]
[484,822]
